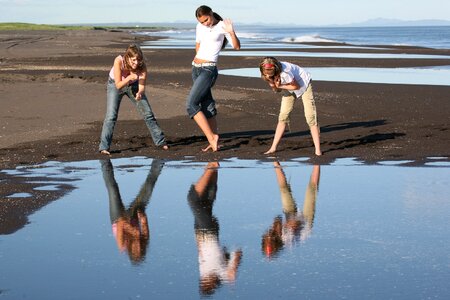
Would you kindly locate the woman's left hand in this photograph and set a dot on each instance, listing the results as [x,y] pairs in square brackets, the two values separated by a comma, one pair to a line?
[228,26]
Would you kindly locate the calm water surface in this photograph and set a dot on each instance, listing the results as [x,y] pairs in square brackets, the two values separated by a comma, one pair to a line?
[147,229]
[428,76]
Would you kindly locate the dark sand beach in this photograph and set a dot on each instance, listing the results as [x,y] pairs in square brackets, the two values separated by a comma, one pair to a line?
[53,97]
[53,104]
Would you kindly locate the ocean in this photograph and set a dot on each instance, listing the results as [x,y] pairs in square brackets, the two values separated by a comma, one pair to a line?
[263,40]
[256,36]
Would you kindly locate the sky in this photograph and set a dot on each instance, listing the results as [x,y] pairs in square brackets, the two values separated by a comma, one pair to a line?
[299,12]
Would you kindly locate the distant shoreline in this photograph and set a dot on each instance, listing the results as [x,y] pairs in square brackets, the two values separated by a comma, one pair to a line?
[162,25]
[31,26]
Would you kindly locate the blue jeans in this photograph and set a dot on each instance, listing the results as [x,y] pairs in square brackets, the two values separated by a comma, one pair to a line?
[113,99]
[200,97]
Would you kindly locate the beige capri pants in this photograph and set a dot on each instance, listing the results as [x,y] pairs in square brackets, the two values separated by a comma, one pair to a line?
[309,106]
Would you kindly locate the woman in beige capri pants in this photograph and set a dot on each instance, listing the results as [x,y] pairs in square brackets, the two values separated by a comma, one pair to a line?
[295,82]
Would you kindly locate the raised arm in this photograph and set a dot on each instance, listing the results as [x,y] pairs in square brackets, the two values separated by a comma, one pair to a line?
[228,27]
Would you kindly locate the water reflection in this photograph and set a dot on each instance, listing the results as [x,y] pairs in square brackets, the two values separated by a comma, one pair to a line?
[130,225]
[216,263]
[376,241]
[297,225]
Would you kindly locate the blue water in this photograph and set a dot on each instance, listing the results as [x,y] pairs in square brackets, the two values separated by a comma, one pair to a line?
[347,230]
[286,37]
[277,53]
[417,76]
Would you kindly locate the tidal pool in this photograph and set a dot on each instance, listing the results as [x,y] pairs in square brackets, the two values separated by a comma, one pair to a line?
[427,76]
[333,54]
[141,228]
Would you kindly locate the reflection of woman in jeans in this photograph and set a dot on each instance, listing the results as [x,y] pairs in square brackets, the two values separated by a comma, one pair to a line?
[210,35]
[128,77]
[297,225]
[129,226]
[216,264]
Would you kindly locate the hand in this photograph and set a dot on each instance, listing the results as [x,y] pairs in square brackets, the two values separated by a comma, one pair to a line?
[277,81]
[228,26]
[132,77]
[138,96]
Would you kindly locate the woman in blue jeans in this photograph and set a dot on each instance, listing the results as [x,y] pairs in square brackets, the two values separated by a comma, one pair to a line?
[128,77]
[211,32]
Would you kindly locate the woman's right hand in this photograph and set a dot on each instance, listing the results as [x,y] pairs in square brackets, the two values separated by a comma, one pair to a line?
[132,77]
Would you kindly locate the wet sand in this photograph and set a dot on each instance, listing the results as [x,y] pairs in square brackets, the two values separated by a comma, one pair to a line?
[53,105]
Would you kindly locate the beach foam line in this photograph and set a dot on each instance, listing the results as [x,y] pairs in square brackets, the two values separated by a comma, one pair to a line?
[315,38]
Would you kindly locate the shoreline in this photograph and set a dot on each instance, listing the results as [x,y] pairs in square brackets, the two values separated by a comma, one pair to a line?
[53,84]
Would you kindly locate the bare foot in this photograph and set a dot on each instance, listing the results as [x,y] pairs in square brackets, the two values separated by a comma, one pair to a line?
[318,153]
[165,147]
[105,152]
[207,148]
[270,151]
[210,147]
[213,145]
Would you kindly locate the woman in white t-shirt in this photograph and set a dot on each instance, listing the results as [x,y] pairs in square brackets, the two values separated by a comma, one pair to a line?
[212,33]
[295,82]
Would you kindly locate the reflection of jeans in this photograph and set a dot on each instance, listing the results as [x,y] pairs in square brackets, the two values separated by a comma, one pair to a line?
[200,97]
[113,99]
[201,208]
[116,207]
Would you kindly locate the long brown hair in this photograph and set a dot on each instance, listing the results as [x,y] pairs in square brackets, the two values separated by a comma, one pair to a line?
[206,10]
[132,51]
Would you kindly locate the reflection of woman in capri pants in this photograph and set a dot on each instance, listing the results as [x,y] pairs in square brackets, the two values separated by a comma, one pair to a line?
[297,225]
[295,82]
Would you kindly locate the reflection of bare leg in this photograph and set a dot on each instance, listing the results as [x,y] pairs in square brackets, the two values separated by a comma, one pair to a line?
[205,126]
[209,177]
[309,204]
[315,133]
[315,175]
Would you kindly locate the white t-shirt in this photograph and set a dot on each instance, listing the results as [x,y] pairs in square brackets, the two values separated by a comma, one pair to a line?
[212,260]
[210,40]
[289,72]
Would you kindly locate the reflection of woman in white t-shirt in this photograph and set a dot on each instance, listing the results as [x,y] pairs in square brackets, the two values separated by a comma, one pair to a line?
[211,32]
[216,264]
